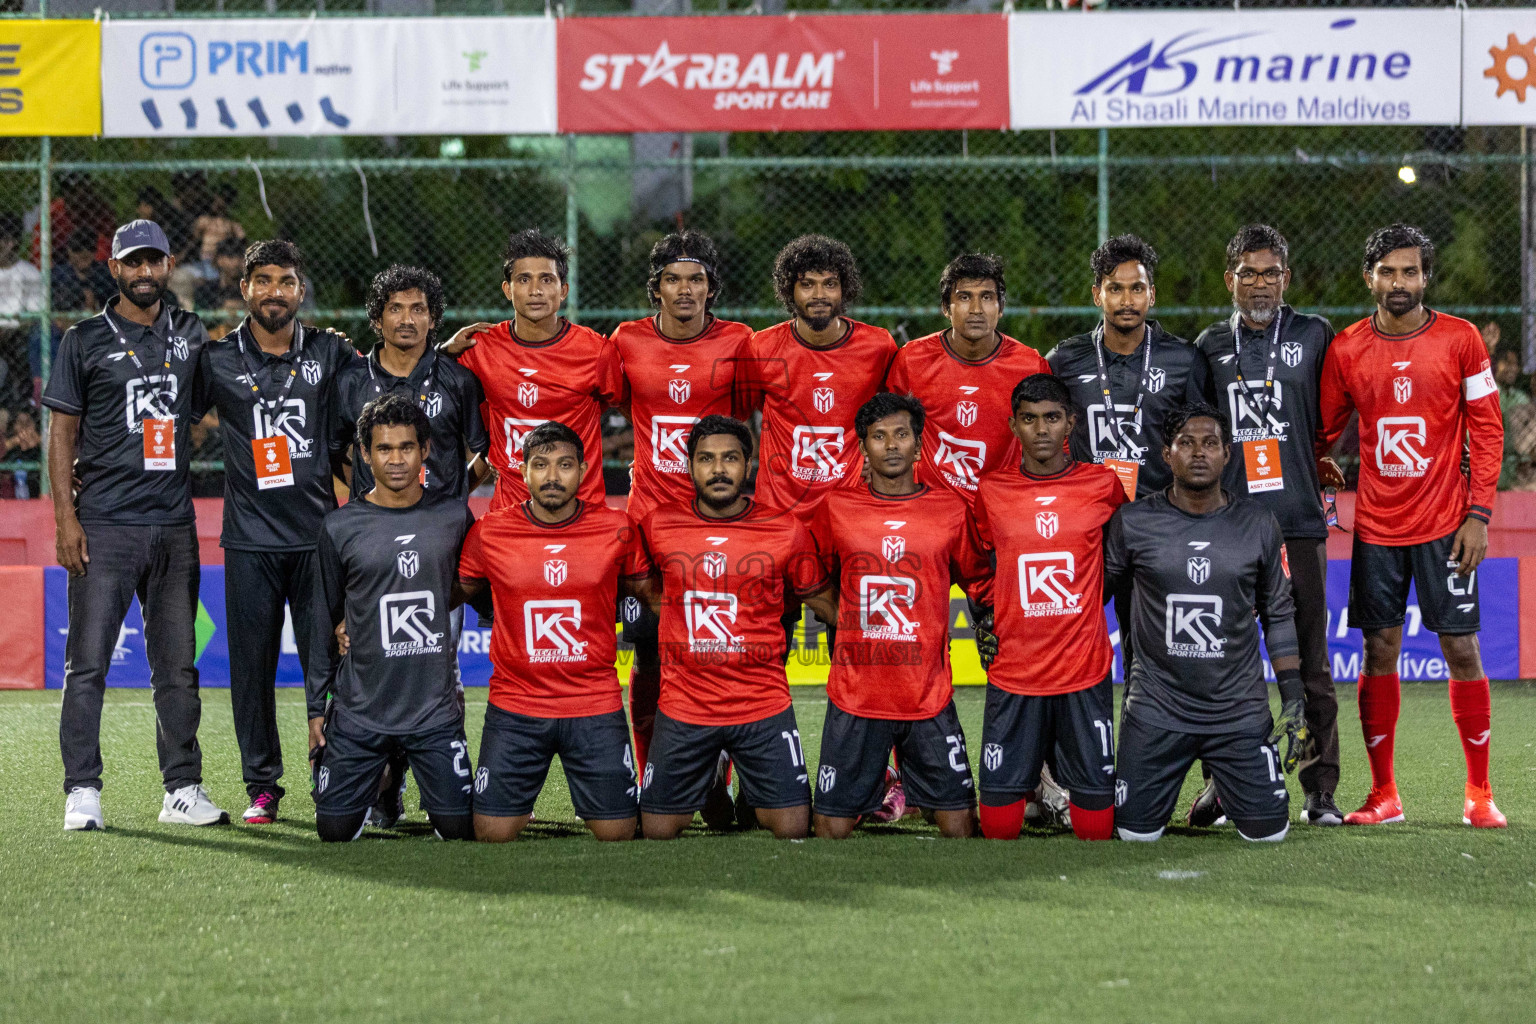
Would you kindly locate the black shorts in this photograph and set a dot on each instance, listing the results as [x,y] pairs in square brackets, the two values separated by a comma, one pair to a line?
[1074,733]
[1154,761]
[770,764]
[516,750]
[935,771]
[346,774]
[1378,587]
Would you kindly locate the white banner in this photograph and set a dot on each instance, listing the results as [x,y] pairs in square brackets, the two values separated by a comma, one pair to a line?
[384,76]
[1498,66]
[1312,67]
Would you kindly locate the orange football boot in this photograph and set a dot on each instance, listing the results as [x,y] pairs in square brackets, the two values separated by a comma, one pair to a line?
[1479,810]
[1381,807]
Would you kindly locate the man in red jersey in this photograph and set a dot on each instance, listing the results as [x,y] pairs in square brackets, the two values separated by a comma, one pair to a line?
[679,365]
[555,565]
[1048,688]
[1421,382]
[963,376]
[897,545]
[727,566]
[539,366]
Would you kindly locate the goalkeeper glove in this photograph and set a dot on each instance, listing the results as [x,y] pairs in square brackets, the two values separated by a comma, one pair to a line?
[986,640]
[1291,726]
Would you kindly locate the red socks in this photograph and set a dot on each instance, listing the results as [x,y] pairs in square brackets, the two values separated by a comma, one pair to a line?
[1093,824]
[1005,822]
[1472,710]
[1380,699]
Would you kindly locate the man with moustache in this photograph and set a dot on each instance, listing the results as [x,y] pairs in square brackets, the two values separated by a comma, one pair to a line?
[124,393]
[273,382]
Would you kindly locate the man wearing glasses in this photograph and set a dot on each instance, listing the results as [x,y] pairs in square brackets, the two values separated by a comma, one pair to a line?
[1266,363]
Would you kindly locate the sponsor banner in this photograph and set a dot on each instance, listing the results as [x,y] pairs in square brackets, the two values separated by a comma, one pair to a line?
[1498,66]
[816,73]
[1314,67]
[1421,658]
[240,77]
[46,68]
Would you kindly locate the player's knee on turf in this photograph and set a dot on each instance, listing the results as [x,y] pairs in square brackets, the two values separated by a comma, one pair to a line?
[453,826]
[340,828]
[786,822]
[1264,830]
[956,824]
[828,827]
[663,826]
[496,829]
[612,830]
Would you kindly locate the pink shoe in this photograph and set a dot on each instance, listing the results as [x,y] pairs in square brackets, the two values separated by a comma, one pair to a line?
[894,805]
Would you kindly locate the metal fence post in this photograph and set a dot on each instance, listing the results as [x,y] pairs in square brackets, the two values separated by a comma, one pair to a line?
[45,267]
[572,224]
[1103,184]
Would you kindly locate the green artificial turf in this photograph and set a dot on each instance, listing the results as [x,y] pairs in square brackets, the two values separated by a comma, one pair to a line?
[1426,921]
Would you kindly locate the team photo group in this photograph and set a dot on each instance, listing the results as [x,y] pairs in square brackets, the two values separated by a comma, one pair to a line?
[814,465]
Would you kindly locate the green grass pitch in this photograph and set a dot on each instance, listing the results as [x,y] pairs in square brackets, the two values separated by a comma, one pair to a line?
[1426,921]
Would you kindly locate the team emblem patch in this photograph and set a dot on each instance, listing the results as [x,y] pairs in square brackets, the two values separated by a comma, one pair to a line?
[1156,378]
[631,609]
[555,571]
[409,563]
[965,412]
[311,371]
[1290,351]
[528,395]
[1121,792]
[650,773]
[992,756]
[1402,389]
[823,399]
[893,548]
[322,780]
[179,346]
[714,564]
[1046,524]
[432,404]
[826,778]
[482,779]
[1199,569]
[679,390]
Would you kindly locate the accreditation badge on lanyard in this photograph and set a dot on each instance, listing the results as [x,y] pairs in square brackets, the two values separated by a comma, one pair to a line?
[1127,470]
[1261,456]
[159,428]
[272,456]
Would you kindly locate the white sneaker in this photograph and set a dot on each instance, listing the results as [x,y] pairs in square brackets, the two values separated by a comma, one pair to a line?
[190,805]
[82,810]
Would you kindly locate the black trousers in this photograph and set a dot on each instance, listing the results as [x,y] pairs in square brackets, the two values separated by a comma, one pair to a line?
[1319,769]
[257,584]
[159,564]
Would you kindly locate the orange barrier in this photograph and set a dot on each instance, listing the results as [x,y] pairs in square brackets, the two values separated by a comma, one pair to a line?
[21,628]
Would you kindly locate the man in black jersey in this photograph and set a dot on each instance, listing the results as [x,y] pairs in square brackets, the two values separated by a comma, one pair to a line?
[1266,363]
[272,381]
[1201,565]
[388,565]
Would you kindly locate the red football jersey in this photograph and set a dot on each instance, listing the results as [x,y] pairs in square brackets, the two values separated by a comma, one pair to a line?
[1419,395]
[672,385]
[569,378]
[553,644]
[723,587]
[895,558]
[809,397]
[1048,595]
[967,407]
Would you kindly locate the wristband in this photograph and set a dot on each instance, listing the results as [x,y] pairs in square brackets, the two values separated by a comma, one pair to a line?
[1290,684]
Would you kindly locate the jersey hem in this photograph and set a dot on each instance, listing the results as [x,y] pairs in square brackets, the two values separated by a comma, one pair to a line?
[722,721]
[608,708]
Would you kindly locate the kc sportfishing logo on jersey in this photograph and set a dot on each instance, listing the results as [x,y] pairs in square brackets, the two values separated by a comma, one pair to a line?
[893,548]
[1046,524]
[679,390]
[814,454]
[960,459]
[150,397]
[555,571]
[1247,425]
[408,563]
[1198,568]
[527,395]
[1399,446]
[1105,441]
[550,631]
[710,618]
[669,441]
[965,413]
[1192,626]
[290,421]
[516,430]
[1045,584]
[885,606]
[405,624]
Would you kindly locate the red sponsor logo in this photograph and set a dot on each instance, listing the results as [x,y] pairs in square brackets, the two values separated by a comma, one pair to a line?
[814,73]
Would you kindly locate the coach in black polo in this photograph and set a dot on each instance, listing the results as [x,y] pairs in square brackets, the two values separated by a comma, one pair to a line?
[273,383]
[124,393]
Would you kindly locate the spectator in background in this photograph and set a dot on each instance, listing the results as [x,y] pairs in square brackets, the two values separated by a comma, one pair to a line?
[152,205]
[214,227]
[81,283]
[23,443]
[618,452]
[222,294]
[21,291]
[1519,468]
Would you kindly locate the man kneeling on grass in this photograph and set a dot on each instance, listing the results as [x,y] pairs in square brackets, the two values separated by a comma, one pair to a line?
[388,568]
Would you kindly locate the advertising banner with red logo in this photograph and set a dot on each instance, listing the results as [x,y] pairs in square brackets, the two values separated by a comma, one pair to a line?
[1498,66]
[817,73]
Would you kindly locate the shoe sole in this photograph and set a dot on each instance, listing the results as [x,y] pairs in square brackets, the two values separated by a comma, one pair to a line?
[1396,819]
[1468,821]
[260,820]
[89,826]
[167,818]
[1326,820]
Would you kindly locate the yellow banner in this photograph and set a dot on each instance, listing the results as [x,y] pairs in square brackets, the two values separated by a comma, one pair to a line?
[50,78]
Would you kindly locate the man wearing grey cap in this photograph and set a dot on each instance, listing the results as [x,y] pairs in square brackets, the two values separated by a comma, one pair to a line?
[124,394]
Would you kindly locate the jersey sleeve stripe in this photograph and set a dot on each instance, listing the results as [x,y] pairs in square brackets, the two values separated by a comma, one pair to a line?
[1479,385]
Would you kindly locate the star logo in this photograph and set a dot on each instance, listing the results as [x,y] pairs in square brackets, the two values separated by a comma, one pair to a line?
[663,65]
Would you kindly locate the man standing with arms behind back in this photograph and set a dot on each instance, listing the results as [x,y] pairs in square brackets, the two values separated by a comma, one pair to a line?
[124,395]
[1421,382]
[1267,361]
